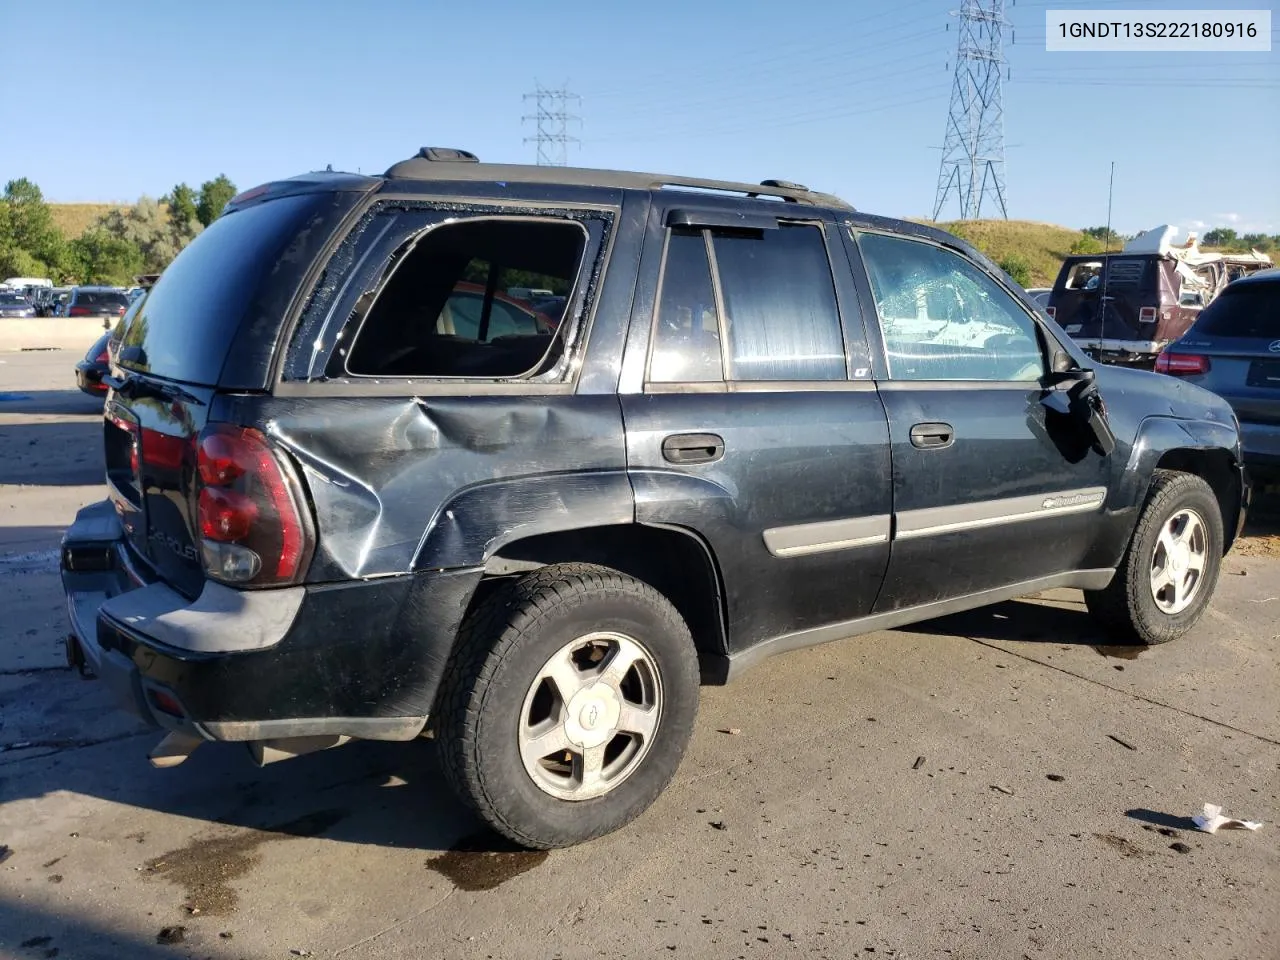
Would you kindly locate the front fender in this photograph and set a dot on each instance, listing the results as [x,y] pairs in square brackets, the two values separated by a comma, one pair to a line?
[1158,436]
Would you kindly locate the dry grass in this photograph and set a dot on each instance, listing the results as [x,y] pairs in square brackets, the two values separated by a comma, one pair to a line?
[74,219]
[1043,244]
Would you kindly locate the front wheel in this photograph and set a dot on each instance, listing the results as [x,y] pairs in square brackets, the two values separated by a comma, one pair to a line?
[568,704]
[1170,569]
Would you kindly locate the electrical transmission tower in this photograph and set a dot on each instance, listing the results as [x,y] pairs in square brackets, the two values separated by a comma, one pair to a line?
[973,151]
[552,116]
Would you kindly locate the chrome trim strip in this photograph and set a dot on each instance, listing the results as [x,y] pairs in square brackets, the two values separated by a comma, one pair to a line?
[803,539]
[1124,346]
[989,513]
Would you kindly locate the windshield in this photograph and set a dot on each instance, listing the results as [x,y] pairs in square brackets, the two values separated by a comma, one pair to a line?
[12,299]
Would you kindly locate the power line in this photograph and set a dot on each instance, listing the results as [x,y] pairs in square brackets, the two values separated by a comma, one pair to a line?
[972,165]
[552,119]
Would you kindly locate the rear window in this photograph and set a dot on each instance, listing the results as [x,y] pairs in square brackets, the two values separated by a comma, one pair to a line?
[100,298]
[186,326]
[1249,310]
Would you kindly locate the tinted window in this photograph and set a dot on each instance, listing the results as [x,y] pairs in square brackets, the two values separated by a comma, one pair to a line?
[100,298]
[780,309]
[1248,310]
[189,320]
[944,319]
[13,298]
[441,311]
[686,343]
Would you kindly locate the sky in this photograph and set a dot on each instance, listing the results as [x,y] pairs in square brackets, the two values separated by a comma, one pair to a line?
[109,101]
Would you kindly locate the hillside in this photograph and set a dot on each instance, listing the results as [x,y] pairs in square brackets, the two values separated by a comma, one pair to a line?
[74,219]
[1043,244]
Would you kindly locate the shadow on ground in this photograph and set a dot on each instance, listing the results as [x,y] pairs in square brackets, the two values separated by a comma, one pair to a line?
[1063,622]
[64,453]
[50,402]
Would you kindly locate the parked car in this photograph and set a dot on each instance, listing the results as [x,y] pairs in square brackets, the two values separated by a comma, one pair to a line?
[95,366]
[1233,349]
[758,426]
[97,360]
[105,302]
[16,306]
[1040,295]
[1126,307]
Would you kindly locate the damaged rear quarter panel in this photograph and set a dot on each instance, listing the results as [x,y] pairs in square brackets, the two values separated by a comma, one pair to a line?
[407,483]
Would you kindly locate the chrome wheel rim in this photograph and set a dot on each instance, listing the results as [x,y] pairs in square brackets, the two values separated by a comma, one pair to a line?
[1178,561]
[590,716]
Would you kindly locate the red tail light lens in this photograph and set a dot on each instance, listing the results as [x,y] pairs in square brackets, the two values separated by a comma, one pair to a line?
[1147,315]
[1052,312]
[1182,364]
[253,520]
[102,357]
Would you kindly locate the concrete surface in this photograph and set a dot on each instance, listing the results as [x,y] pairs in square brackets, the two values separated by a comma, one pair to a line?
[885,796]
[50,333]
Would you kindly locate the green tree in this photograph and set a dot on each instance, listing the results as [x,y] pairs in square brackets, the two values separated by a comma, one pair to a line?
[214,195]
[1018,267]
[28,236]
[181,201]
[1257,241]
[102,257]
[1086,244]
[1220,237]
[1106,236]
[153,233]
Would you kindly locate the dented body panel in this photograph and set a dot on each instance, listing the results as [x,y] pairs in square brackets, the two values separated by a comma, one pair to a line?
[811,516]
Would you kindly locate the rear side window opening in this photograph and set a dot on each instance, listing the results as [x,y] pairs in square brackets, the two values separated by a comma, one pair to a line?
[477,299]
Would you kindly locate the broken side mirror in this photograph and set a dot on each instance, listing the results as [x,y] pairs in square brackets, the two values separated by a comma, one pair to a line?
[1085,404]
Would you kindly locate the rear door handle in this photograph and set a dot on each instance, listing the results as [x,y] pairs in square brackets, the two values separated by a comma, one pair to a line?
[692,448]
[932,436]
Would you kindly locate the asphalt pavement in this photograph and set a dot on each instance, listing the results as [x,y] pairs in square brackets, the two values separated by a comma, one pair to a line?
[998,784]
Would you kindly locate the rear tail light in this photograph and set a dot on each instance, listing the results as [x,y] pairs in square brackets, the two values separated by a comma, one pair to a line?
[1182,364]
[102,357]
[1147,315]
[254,525]
[1052,312]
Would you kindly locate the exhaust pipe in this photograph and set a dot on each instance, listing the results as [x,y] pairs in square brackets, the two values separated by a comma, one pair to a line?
[172,750]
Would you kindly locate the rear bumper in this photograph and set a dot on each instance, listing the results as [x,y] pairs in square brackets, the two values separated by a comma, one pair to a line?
[360,659]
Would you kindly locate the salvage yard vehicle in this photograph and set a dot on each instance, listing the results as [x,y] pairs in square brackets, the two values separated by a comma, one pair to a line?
[1233,349]
[1126,307]
[763,421]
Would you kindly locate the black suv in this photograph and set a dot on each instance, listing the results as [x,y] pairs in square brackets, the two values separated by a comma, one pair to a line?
[360,489]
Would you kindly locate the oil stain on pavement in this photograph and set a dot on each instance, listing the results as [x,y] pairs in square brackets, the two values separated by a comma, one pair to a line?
[206,868]
[482,862]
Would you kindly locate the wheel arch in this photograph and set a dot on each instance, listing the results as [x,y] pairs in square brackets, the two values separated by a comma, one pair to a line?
[1204,448]
[673,560]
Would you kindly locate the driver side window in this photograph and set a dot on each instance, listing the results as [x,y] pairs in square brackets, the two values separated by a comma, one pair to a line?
[944,319]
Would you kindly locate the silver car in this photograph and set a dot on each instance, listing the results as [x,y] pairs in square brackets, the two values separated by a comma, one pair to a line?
[1233,349]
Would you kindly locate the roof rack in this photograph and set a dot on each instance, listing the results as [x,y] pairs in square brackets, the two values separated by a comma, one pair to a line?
[447,163]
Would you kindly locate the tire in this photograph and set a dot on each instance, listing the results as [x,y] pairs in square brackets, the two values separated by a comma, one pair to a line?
[489,692]
[1128,608]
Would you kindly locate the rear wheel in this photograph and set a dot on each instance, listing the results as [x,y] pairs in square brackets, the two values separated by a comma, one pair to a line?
[568,704]
[1170,569]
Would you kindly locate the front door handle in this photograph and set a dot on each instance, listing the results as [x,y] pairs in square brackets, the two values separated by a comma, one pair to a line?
[692,448]
[932,436]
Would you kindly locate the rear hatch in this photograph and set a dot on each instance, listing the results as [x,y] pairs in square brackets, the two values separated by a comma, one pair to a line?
[189,338]
[1111,298]
[1239,336]
[94,303]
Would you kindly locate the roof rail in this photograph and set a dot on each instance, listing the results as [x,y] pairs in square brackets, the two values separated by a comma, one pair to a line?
[442,163]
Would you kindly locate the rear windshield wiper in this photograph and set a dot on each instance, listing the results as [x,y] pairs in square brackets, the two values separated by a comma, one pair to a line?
[133,387]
